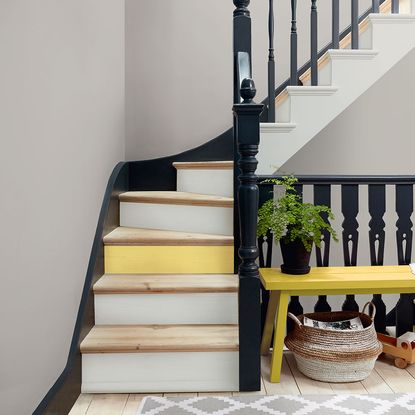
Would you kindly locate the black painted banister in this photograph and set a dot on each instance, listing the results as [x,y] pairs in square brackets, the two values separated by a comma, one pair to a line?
[355,24]
[335,24]
[293,44]
[403,315]
[395,6]
[271,64]
[313,43]
[375,6]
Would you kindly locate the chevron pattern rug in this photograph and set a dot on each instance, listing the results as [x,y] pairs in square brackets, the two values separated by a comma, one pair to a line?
[386,404]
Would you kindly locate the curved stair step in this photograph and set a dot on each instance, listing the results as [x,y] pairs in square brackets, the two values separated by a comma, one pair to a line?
[208,177]
[177,211]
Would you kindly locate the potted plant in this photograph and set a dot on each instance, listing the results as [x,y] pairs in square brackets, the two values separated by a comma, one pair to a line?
[296,225]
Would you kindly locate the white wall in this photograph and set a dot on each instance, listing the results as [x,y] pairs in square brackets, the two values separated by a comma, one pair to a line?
[61,133]
[179,66]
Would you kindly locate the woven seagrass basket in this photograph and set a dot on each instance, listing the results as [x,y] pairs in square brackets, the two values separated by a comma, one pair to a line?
[335,355]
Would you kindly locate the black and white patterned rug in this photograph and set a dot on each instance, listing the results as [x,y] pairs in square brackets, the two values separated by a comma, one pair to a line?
[386,404]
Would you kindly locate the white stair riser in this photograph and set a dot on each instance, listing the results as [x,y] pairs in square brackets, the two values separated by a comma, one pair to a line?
[160,372]
[186,308]
[182,218]
[392,40]
[217,182]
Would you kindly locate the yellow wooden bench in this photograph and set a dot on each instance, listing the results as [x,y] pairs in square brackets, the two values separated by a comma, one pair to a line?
[323,281]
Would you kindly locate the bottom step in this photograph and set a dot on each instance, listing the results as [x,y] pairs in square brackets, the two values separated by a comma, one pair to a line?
[183,358]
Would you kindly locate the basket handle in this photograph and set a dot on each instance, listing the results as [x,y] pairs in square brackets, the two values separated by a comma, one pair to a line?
[295,319]
[373,308]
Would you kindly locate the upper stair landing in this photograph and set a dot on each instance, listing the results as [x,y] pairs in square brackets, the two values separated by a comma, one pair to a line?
[344,75]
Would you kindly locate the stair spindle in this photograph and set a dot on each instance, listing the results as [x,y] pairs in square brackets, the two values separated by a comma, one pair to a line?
[395,6]
[377,208]
[335,24]
[313,37]
[350,234]
[375,6]
[271,64]
[293,44]
[355,24]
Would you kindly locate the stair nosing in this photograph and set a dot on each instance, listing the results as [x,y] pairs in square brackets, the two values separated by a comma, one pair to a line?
[176,198]
[171,238]
[103,287]
[203,165]
[103,339]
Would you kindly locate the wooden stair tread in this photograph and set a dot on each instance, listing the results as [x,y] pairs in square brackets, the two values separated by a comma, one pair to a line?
[176,198]
[158,338]
[137,236]
[134,283]
[204,165]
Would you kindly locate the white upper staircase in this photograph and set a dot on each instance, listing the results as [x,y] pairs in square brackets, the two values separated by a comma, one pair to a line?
[344,74]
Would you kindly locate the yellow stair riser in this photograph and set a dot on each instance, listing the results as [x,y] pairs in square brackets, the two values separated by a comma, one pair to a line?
[168,259]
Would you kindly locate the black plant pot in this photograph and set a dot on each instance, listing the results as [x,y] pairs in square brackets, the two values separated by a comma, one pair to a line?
[296,258]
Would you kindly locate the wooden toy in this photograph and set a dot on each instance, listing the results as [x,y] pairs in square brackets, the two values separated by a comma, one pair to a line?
[403,349]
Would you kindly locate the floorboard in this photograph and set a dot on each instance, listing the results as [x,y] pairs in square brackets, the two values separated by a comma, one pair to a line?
[386,378]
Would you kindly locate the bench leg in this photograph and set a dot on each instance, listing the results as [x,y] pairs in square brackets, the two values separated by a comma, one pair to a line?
[279,334]
[269,322]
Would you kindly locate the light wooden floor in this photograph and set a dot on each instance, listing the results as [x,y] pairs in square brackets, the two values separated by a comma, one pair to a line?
[386,378]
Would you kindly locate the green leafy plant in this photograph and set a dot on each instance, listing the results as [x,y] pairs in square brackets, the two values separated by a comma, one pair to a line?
[288,218]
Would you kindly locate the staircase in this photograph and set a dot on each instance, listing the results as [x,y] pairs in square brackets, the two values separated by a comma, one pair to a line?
[166,310]
[343,75]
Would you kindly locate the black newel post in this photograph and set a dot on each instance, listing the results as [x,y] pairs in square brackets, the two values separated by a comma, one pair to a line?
[241,43]
[247,134]
[271,64]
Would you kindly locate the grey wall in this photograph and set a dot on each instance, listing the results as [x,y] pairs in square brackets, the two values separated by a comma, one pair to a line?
[61,133]
[179,67]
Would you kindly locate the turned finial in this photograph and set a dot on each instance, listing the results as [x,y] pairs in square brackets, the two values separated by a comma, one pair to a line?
[241,7]
[248,90]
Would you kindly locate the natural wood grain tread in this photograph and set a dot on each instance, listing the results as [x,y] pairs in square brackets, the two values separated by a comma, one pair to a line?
[154,284]
[177,198]
[160,338]
[204,165]
[144,237]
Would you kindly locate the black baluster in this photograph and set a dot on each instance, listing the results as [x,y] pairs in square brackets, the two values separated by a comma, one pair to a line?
[375,6]
[293,44]
[314,46]
[247,136]
[265,193]
[395,6]
[271,64]
[350,234]
[322,196]
[404,234]
[355,24]
[335,24]
[377,208]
